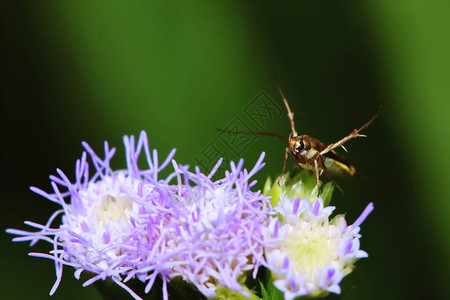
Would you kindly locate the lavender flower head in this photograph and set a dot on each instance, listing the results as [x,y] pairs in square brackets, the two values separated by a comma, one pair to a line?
[129,223]
[311,254]
[221,233]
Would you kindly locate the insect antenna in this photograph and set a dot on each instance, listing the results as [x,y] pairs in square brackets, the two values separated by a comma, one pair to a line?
[370,122]
[289,112]
[255,133]
[354,134]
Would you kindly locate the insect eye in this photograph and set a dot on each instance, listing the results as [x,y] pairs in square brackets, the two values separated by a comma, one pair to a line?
[300,147]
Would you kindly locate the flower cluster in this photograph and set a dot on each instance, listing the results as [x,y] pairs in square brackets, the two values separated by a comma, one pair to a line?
[132,224]
[311,253]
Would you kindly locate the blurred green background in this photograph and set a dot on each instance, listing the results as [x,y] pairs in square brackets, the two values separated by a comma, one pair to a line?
[94,71]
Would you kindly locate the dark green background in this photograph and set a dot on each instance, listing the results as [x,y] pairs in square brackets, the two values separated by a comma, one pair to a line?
[94,71]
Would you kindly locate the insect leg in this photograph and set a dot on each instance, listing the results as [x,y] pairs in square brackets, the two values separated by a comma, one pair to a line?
[354,134]
[334,183]
[325,170]
[286,154]
[316,170]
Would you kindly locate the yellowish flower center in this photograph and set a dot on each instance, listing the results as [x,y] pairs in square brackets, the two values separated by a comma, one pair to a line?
[311,247]
[112,208]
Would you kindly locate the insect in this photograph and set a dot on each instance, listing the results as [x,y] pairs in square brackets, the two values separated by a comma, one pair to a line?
[313,155]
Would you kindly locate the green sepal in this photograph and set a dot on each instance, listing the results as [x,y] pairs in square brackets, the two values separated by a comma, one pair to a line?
[268,290]
[223,293]
[302,185]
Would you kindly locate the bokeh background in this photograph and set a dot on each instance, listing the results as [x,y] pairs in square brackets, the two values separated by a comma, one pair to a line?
[91,71]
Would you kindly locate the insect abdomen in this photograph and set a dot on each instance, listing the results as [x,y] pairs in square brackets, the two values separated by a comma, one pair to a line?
[335,167]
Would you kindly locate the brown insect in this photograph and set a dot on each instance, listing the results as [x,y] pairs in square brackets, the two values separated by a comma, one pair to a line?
[311,154]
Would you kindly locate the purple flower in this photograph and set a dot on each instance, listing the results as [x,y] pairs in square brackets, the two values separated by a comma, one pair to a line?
[310,254]
[221,233]
[129,223]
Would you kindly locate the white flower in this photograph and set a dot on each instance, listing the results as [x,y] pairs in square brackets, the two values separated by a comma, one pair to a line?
[311,254]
